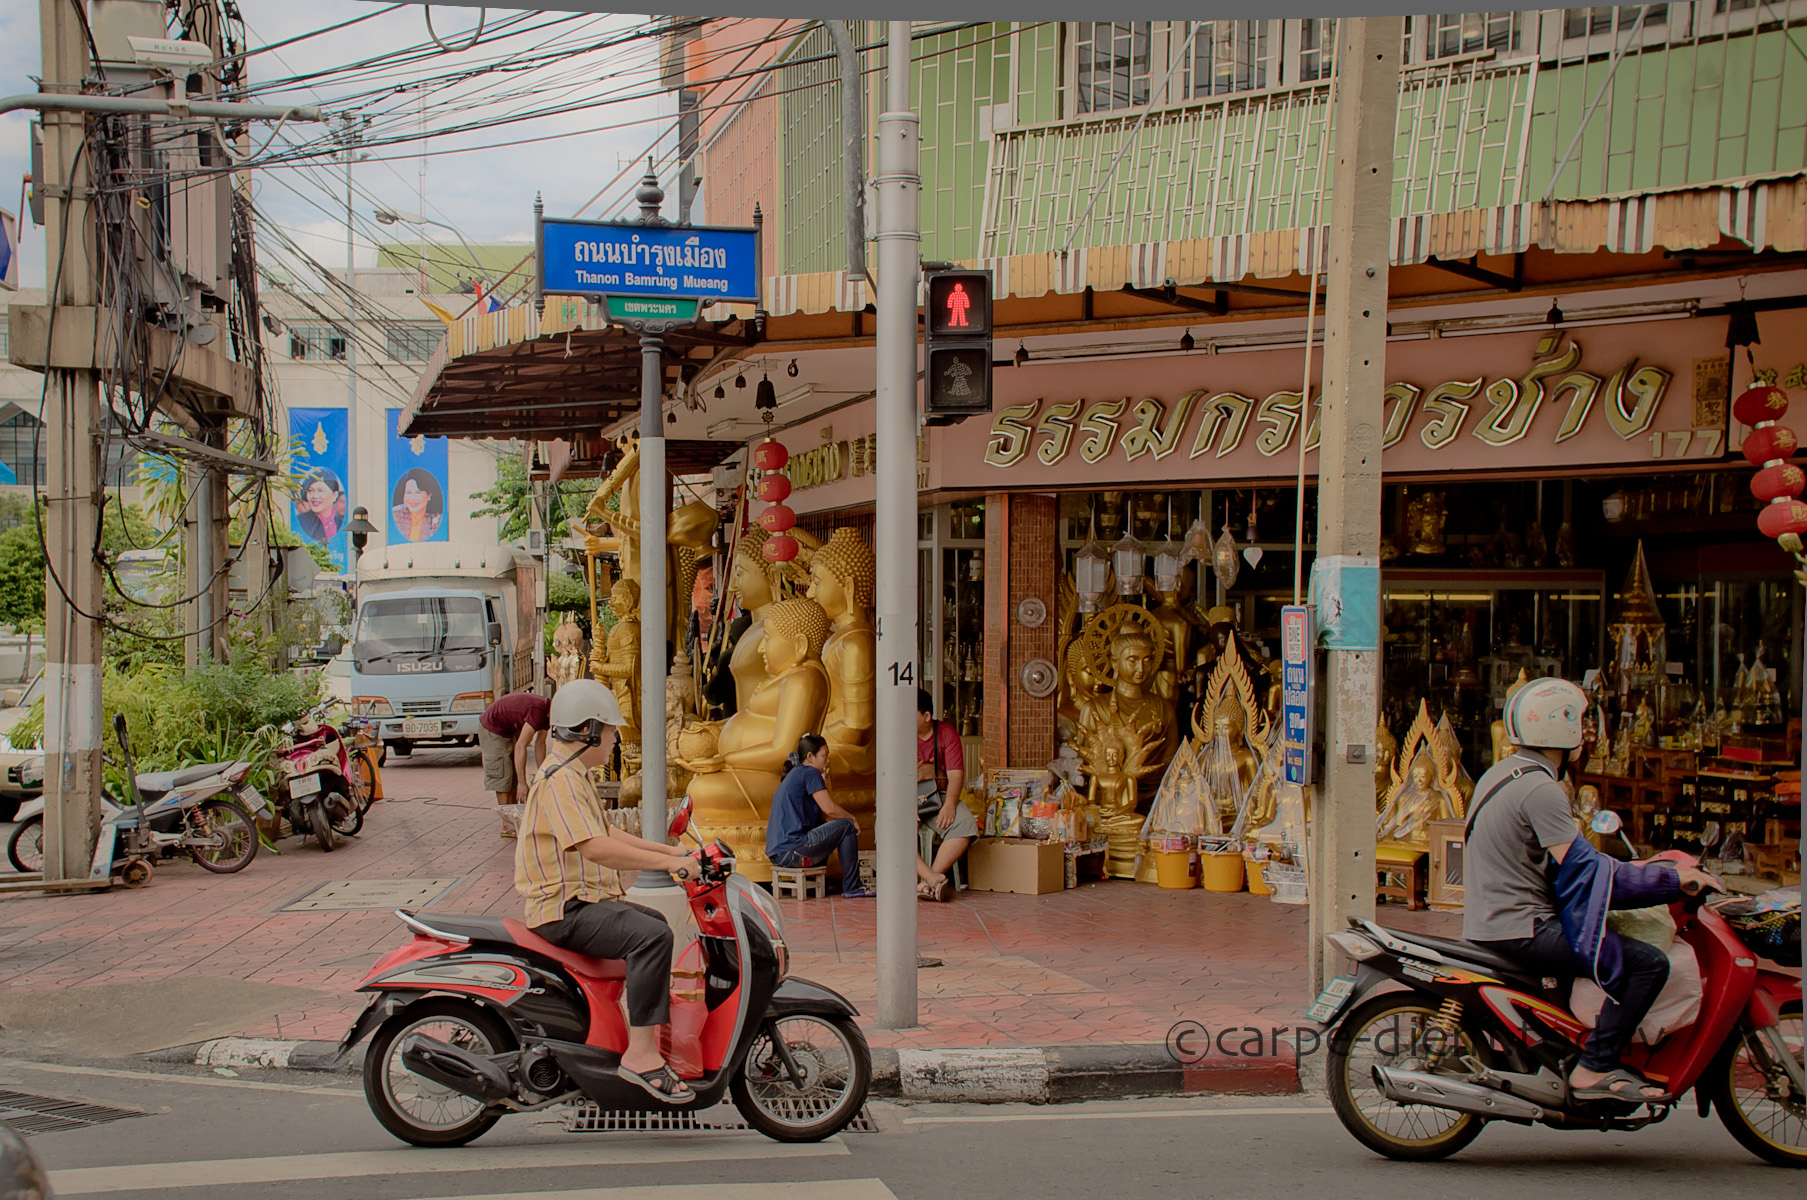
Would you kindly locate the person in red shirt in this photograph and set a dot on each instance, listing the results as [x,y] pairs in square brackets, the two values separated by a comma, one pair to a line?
[941,769]
[504,731]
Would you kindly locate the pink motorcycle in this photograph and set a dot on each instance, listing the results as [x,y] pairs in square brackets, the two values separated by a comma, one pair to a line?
[325,789]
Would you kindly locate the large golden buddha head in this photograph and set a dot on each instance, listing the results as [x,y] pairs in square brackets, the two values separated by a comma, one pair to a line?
[843,575]
[795,632]
[752,580]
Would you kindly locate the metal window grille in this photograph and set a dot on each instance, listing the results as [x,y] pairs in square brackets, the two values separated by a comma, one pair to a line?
[316,343]
[413,343]
[1232,56]
[1465,33]
[1582,22]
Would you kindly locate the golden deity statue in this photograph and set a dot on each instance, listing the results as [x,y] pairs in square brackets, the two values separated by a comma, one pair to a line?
[1231,725]
[1424,790]
[1113,665]
[568,646]
[1501,747]
[1184,630]
[736,763]
[1425,516]
[619,662]
[753,582]
[1452,746]
[843,577]
[1116,758]
[1386,753]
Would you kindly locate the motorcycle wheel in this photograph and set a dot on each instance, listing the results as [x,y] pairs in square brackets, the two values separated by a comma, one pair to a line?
[1773,1129]
[417,1110]
[363,773]
[1408,1132]
[352,821]
[836,1071]
[323,831]
[236,835]
[25,848]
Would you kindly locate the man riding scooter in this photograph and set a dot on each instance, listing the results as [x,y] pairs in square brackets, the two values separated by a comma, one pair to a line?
[566,861]
[1538,892]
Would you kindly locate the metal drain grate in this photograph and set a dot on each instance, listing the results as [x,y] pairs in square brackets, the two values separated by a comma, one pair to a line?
[587,1118]
[27,1113]
[349,895]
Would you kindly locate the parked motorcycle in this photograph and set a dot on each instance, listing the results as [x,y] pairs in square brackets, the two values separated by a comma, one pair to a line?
[478,1017]
[327,789]
[1415,1074]
[205,811]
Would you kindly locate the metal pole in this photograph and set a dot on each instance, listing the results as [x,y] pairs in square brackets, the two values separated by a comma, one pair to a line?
[894,525]
[351,346]
[72,640]
[853,145]
[1349,477]
[652,603]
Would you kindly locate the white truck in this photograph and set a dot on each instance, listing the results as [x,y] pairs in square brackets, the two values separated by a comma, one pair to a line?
[443,629]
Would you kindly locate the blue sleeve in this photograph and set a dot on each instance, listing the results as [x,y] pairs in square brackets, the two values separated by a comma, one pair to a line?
[810,781]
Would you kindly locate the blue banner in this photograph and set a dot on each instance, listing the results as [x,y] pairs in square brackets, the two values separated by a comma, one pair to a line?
[596,258]
[417,486]
[320,509]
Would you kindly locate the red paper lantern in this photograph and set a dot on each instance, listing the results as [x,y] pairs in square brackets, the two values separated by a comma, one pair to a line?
[783,548]
[774,489]
[1786,481]
[777,518]
[770,455]
[1761,403]
[1785,516]
[1770,445]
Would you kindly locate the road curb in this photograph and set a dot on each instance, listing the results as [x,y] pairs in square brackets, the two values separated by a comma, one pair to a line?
[982,1075]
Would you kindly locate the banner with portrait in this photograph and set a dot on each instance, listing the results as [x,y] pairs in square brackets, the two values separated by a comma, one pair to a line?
[319,509]
[417,487]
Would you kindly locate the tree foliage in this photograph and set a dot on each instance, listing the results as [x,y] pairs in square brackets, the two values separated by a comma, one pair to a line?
[508,500]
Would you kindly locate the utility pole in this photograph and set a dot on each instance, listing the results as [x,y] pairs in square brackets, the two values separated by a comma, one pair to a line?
[899,266]
[1355,347]
[72,637]
[351,133]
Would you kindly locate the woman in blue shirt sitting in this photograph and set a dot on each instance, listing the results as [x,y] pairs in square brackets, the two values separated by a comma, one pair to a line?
[806,825]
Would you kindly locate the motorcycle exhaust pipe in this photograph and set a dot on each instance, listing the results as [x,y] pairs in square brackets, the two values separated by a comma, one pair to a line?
[1440,1091]
[464,1073]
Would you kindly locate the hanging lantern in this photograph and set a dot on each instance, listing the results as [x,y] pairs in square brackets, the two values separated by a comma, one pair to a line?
[779,549]
[1784,516]
[1758,404]
[1091,574]
[1130,558]
[1198,542]
[1784,481]
[1224,563]
[774,489]
[777,518]
[1773,443]
[770,455]
[1169,561]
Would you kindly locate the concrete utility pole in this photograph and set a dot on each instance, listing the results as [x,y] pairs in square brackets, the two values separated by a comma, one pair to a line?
[352,135]
[1355,348]
[894,526]
[72,640]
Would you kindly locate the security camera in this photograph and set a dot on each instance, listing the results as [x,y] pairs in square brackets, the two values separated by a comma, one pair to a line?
[170,53]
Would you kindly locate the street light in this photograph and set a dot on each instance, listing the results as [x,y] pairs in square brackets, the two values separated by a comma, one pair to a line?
[360,529]
[395,216]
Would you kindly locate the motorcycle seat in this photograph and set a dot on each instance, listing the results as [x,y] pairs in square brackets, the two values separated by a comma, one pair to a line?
[511,932]
[1468,952]
[165,781]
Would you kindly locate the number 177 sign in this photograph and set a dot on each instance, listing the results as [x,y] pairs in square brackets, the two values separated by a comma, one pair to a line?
[1297,678]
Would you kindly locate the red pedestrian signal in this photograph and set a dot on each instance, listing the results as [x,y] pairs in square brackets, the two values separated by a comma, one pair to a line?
[959,302]
[957,345]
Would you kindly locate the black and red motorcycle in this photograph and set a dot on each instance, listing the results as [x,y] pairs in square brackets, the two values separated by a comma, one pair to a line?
[476,1017]
[1416,1073]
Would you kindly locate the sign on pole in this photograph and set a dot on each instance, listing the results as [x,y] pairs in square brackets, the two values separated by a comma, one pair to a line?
[1298,678]
[9,252]
[669,262]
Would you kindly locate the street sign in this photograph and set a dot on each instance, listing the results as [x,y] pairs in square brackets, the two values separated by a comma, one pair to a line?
[1298,678]
[634,308]
[602,258]
[9,252]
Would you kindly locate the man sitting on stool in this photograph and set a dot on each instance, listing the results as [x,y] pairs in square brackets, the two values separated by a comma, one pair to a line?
[941,771]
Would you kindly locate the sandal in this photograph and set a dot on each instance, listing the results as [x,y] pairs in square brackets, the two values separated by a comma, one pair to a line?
[1620,1085]
[944,891]
[662,1084]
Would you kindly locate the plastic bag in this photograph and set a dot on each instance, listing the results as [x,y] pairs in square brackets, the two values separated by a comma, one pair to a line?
[681,1041]
[1678,1004]
[1652,925]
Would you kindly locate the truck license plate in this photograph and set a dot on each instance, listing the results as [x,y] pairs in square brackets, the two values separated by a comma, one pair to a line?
[420,728]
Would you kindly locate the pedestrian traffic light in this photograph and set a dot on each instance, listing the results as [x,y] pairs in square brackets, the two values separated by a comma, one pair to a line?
[957,350]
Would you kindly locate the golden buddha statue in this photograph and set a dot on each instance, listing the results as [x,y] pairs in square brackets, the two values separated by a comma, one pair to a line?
[1116,758]
[1232,726]
[619,664]
[1501,747]
[568,645]
[1424,790]
[1452,746]
[736,763]
[1425,516]
[1130,644]
[1184,630]
[754,585]
[1386,754]
[843,577]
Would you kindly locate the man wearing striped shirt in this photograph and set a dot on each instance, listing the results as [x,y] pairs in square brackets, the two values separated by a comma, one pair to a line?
[567,861]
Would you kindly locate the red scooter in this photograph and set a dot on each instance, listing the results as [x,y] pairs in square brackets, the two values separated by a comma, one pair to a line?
[478,1017]
[1416,1073]
[328,782]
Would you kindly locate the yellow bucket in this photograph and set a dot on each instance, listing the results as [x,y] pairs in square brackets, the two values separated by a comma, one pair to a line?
[1173,869]
[1257,870]
[1222,870]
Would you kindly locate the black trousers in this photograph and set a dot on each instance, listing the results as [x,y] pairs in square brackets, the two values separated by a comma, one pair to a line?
[634,933]
[1547,952]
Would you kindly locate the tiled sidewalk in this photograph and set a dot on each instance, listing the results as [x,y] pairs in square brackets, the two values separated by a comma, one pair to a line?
[1109,963]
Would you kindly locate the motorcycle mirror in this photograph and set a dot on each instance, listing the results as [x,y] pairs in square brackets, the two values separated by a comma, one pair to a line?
[1607,823]
[680,818]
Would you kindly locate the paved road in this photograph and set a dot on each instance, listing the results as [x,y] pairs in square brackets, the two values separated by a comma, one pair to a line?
[208,1137]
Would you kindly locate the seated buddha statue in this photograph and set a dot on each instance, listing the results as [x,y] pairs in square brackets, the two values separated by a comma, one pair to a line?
[1229,766]
[736,763]
[842,579]
[1117,757]
[752,584]
[1426,793]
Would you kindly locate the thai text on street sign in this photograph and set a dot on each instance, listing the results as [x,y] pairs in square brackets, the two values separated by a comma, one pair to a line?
[602,258]
[1297,659]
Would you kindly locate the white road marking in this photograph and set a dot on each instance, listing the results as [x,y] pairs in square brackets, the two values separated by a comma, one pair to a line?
[832,1189]
[242,1172]
[1127,1114]
[172,1077]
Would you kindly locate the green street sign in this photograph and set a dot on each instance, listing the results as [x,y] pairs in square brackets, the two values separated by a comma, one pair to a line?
[638,308]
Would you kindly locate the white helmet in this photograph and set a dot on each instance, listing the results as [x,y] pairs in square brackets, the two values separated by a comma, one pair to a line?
[1545,714]
[581,709]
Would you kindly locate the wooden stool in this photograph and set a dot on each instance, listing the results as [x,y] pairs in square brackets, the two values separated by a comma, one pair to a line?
[1399,874]
[805,883]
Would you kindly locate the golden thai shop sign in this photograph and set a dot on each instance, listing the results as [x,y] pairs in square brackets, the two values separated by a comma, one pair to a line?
[1652,393]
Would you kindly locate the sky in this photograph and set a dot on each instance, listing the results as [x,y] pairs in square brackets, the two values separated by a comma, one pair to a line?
[487,194]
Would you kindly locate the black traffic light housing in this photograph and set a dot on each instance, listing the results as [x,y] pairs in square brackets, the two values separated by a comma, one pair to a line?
[957,344]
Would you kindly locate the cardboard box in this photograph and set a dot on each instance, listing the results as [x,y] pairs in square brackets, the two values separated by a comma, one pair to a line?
[1015,865]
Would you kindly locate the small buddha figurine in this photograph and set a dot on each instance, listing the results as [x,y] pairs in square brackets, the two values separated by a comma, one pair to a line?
[1643,729]
[568,643]
[620,667]
[1425,517]
[1424,795]
[842,578]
